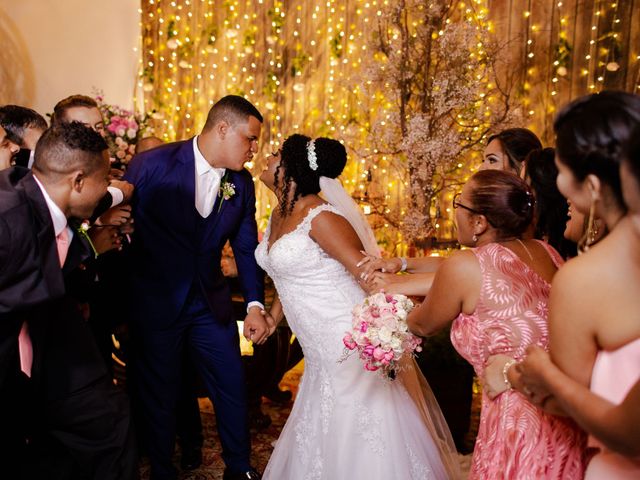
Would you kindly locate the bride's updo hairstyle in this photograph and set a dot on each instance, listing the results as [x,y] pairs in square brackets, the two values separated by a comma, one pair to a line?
[505,200]
[304,162]
[591,133]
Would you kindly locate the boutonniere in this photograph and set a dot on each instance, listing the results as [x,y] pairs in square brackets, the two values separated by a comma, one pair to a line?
[83,230]
[227,189]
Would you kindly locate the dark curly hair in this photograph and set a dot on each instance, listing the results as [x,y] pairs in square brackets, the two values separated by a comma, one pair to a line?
[294,167]
[592,132]
[66,147]
[504,199]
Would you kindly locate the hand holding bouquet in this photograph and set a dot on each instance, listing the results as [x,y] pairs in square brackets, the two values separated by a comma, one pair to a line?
[380,333]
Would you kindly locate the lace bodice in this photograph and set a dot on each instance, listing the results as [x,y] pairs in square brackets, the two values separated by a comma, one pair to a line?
[305,278]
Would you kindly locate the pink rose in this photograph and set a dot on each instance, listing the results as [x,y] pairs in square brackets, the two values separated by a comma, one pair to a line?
[371,368]
[364,326]
[378,353]
[349,342]
[368,351]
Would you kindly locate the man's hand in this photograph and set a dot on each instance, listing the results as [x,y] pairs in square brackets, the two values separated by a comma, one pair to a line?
[256,327]
[104,238]
[117,215]
[125,187]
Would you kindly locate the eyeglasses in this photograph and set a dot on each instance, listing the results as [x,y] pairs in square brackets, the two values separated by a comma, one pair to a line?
[457,204]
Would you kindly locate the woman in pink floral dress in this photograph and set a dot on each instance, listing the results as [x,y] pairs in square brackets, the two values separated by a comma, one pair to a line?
[496,294]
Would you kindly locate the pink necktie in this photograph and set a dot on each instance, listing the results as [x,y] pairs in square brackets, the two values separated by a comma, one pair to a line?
[24,341]
[62,241]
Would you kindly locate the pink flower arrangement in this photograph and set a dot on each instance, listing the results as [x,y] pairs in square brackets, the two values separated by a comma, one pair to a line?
[380,333]
[123,129]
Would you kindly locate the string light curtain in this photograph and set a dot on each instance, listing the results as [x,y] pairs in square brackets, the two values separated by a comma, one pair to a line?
[303,63]
[568,48]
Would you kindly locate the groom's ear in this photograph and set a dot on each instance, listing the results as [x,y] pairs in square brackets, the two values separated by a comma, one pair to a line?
[221,128]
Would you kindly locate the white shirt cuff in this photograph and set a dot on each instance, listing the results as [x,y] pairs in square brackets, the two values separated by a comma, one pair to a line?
[116,195]
[254,304]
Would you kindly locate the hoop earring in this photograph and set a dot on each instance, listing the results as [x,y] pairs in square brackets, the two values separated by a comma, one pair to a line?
[591,231]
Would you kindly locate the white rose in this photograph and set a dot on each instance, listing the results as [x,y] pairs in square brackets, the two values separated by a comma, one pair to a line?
[385,334]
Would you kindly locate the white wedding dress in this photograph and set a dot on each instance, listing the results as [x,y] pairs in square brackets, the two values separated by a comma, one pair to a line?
[346,423]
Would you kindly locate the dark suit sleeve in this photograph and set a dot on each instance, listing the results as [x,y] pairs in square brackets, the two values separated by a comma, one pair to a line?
[103,206]
[244,244]
[5,250]
[135,172]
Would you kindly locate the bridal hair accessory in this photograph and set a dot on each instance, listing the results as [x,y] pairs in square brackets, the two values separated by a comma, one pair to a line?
[311,155]
[380,333]
[336,195]
[530,199]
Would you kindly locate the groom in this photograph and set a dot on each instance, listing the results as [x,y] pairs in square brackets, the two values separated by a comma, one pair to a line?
[190,198]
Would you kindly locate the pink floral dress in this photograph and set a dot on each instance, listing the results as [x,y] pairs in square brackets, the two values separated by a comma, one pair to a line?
[516,440]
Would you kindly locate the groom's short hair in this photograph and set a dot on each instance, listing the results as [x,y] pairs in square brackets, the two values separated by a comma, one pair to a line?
[233,109]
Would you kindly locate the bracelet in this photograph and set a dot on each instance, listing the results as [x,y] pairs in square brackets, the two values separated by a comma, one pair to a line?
[505,371]
[403,264]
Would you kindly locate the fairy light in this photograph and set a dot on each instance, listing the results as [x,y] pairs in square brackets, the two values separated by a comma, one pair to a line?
[301,63]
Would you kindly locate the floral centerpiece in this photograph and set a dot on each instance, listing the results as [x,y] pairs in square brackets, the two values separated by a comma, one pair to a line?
[380,333]
[123,129]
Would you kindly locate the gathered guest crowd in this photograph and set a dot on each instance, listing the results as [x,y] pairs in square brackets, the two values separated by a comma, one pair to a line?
[541,302]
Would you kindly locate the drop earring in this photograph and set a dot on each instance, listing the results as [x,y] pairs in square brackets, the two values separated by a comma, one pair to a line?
[591,231]
[475,238]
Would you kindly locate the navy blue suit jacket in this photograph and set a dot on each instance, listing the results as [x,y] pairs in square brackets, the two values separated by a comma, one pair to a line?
[173,248]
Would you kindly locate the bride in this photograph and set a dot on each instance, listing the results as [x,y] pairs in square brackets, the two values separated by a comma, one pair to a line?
[346,423]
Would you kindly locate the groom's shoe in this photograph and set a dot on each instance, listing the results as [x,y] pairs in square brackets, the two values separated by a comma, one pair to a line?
[251,474]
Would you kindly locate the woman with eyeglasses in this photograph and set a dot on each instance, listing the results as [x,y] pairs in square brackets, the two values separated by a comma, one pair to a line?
[496,295]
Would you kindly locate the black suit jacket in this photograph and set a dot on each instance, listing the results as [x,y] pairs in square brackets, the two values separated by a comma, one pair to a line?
[32,289]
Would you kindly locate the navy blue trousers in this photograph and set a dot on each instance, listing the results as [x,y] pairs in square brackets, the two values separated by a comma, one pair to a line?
[215,350]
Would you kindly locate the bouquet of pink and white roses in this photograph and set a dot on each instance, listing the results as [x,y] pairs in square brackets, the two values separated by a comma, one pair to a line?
[380,333]
[123,129]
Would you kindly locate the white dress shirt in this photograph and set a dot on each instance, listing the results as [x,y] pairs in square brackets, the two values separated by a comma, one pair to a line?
[57,216]
[208,181]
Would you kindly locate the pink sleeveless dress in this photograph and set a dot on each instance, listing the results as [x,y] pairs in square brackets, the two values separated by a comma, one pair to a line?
[516,440]
[614,373]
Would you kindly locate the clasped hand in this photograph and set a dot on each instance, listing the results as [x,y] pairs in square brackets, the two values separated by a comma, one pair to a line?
[377,274]
[258,326]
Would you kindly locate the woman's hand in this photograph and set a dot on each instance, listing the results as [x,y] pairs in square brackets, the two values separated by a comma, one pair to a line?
[373,264]
[532,372]
[379,281]
[493,382]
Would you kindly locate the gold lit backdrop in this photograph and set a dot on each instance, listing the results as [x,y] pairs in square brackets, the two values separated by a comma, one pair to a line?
[412,87]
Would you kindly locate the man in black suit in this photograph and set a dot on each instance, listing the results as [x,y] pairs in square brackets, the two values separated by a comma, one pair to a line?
[50,369]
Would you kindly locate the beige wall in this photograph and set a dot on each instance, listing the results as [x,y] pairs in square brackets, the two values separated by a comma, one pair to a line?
[50,49]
